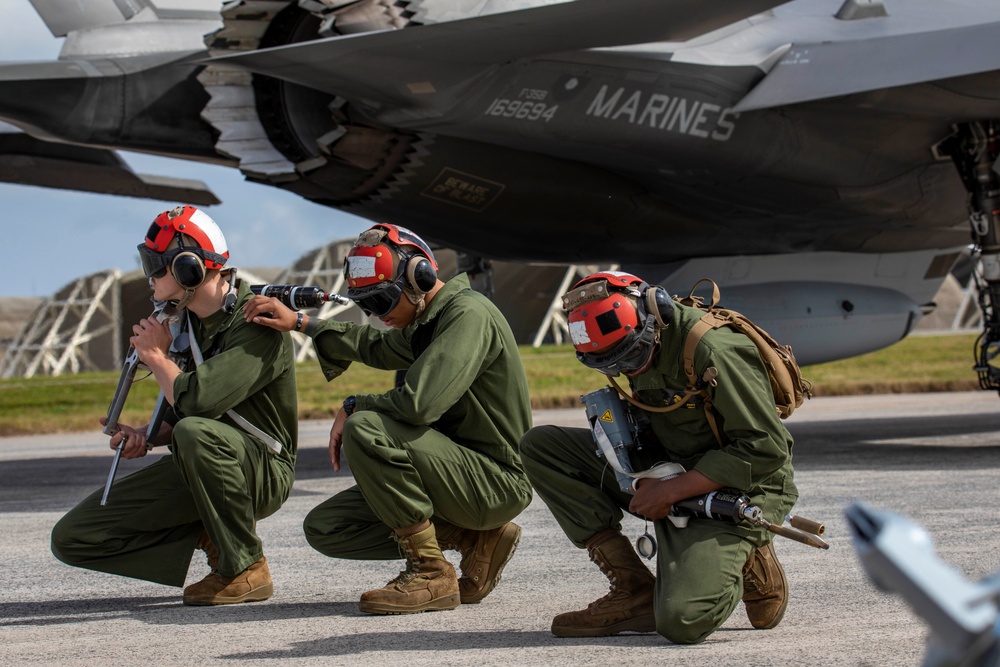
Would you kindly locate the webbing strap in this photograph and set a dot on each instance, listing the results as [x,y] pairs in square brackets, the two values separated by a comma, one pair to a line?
[688,395]
[707,322]
[271,443]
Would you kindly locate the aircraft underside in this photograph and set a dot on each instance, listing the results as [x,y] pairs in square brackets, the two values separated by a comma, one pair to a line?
[504,138]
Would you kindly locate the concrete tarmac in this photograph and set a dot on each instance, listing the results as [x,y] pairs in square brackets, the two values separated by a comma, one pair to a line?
[932,457]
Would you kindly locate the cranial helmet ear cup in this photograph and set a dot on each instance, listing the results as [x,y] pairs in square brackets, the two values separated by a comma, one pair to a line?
[659,305]
[188,269]
[420,274]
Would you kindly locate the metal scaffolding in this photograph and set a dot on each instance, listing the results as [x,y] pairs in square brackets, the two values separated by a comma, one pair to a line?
[324,268]
[61,334]
[555,322]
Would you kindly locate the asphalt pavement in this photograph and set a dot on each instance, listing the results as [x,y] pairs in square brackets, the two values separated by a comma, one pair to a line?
[931,457]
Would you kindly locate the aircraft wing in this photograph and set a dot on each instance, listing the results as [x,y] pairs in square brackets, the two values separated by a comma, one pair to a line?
[831,69]
[25,160]
[398,66]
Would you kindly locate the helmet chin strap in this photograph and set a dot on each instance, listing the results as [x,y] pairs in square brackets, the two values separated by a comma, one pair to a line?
[187,298]
[417,299]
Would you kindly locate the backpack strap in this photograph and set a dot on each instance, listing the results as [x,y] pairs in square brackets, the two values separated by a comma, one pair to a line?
[695,385]
[688,395]
[707,322]
[698,301]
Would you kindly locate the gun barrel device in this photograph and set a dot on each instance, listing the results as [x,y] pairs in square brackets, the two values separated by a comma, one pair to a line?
[179,349]
[616,430]
[731,505]
[298,297]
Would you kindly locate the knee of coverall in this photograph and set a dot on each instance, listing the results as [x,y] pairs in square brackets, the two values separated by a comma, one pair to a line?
[188,439]
[63,540]
[317,538]
[323,533]
[360,431]
[685,621]
[537,441]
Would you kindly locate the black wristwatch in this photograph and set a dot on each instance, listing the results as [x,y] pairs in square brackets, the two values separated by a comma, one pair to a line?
[349,403]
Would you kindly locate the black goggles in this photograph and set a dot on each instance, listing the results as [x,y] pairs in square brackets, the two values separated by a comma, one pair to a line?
[155,264]
[628,356]
[381,302]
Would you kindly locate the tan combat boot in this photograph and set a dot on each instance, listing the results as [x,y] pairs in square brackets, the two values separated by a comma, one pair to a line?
[765,589]
[250,585]
[628,606]
[484,555]
[428,583]
[211,554]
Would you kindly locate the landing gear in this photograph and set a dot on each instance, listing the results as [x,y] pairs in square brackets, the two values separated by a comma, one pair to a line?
[974,149]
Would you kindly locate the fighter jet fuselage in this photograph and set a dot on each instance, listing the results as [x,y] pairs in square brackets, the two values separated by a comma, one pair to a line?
[819,159]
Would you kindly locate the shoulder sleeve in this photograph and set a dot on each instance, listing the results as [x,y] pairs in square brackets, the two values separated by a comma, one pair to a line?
[755,442]
[252,357]
[337,344]
[465,341]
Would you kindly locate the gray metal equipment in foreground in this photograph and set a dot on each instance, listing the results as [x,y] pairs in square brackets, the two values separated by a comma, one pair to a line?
[899,557]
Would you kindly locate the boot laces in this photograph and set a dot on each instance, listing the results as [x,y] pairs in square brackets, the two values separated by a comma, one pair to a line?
[614,591]
[406,576]
[753,575]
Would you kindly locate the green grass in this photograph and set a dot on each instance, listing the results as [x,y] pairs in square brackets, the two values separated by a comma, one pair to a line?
[915,364]
[555,378]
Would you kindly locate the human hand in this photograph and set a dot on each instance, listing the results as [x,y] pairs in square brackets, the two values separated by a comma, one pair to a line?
[654,498]
[151,339]
[270,313]
[336,438]
[650,499]
[134,440]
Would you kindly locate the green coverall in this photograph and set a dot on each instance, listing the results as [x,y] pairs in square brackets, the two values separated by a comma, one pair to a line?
[443,446]
[699,568]
[218,476]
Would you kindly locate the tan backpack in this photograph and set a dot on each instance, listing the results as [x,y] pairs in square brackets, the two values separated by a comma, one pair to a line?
[790,389]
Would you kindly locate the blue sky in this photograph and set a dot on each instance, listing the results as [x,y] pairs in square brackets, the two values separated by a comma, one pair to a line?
[55,236]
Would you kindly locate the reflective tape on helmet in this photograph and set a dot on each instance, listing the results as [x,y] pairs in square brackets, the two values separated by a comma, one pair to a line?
[360,267]
[578,332]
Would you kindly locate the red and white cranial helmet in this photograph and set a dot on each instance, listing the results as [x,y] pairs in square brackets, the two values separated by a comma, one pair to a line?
[194,223]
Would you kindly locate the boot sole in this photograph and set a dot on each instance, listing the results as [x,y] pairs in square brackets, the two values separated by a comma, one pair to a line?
[777,617]
[256,595]
[440,604]
[509,540]
[641,624]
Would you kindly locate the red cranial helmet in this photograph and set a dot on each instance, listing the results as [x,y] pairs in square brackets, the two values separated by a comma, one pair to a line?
[385,260]
[612,322]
